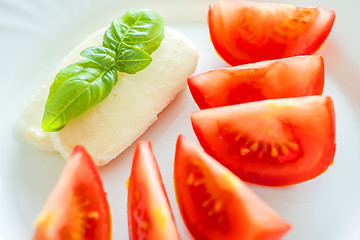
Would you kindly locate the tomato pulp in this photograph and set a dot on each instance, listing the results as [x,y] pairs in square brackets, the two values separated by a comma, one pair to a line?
[215,204]
[77,207]
[271,142]
[149,213]
[282,78]
[245,32]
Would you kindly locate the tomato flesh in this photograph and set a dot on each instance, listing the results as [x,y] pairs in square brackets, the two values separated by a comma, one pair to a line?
[271,142]
[215,204]
[245,32]
[77,207]
[283,78]
[149,213]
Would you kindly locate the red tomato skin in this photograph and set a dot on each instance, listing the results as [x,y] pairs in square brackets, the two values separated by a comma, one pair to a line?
[147,192]
[79,181]
[235,50]
[318,141]
[282,78]
[244,215]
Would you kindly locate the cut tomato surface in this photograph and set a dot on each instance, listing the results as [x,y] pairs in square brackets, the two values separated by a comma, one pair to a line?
[245,32]
[149,213]
[77,207]
[283,78]
[271,142]
[215,204]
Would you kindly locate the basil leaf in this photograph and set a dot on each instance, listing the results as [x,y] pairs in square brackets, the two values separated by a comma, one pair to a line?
[126,47]
[142,29]
[132,60]
[76,88]
[100,55]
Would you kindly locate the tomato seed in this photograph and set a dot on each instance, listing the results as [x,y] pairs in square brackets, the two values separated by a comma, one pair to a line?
[198,182]
[190,179]
[93,214]
[244,151]
[284,150]
[274,152]
[254,147]
[207,202]
[293,146]
[217,206]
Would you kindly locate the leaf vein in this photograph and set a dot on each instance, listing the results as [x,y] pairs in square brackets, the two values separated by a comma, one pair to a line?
[127,31]
[74,98]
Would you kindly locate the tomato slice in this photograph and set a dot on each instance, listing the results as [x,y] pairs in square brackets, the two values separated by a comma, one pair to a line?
[283,78]
[215,204]
[271,142]
[245,32]
[77,207]
[149,213]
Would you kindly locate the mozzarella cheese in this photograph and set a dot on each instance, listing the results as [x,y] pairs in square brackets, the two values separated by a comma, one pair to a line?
[111,126]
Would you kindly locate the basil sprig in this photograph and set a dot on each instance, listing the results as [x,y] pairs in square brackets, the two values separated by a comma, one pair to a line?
[126,47]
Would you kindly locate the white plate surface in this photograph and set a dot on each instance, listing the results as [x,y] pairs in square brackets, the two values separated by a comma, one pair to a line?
[35,35]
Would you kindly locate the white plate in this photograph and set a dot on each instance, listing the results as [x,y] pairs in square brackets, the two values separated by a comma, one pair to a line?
[36,34]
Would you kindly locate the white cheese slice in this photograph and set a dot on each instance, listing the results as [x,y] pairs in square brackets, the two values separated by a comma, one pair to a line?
[110,127]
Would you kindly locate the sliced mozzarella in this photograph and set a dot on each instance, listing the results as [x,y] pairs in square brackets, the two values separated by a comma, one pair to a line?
[132,106]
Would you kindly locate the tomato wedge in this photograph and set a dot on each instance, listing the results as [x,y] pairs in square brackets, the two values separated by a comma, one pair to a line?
[245,32]
[215,204]
[271,142]
[283,78]
[77,207]
[149,213]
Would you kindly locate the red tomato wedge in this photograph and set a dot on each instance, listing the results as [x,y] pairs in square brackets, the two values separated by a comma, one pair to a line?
[215,204]
[149,213]
[283,78]
[271,142]
[77,207]
[245,32]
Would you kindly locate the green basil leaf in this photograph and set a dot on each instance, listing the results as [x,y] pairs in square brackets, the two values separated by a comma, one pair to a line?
[132,60]
[142,29]
[76,88]
[126,47]
[100,55]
